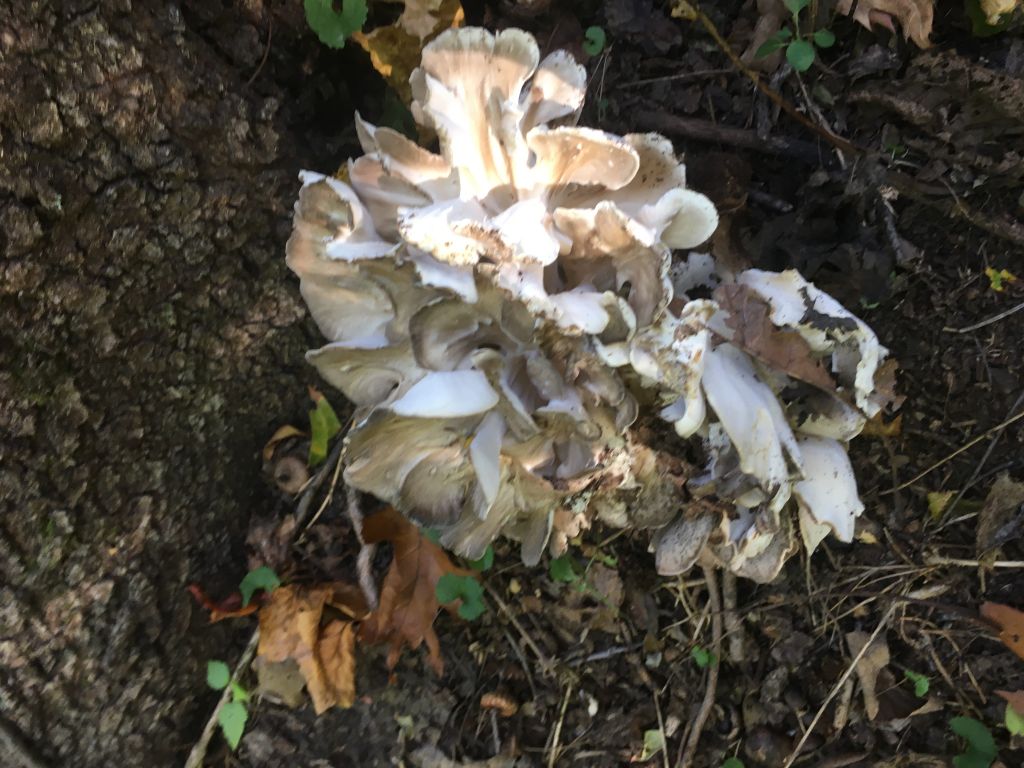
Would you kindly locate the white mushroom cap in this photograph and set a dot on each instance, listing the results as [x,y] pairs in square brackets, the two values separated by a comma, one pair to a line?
[828,493]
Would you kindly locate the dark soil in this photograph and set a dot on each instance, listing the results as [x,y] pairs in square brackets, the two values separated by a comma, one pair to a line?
[151,340]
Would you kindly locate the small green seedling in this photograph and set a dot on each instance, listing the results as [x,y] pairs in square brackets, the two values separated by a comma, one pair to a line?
[453,586]
[335,27]
[323,425]
[485,562]
[234,714]
[594,39]
[921,683]
[981,749]
[702,657]
[563,569]
[733,762]
[654,742]
[799,48]
[261,578]
[1014,721]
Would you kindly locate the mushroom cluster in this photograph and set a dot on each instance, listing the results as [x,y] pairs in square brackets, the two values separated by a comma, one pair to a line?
[500,314]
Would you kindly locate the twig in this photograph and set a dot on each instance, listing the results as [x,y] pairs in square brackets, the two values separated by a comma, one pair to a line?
[954,454]
[715,604]
[940,560]
[557,736]
[266,48]
[733,625]
[705,130]
[983,323]
[697,75]
[302,510]
[661,728]
[838,686]
[546,665]
[198,753]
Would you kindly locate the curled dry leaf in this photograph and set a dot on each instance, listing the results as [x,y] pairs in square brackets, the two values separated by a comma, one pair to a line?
[395,50]
[408,595]
[1010,623]
[914,16]
[290,628]
[754,332]
[229,608]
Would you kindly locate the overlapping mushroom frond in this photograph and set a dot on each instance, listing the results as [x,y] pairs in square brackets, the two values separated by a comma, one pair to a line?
[499,312]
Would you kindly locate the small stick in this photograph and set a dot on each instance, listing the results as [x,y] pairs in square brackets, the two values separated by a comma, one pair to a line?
[715,603]
[970,444]
[983,323]
[13,747]
[661,728]
[733,625]
[198,753]
[557,736]
[940,560]
[838,686]
[545,662]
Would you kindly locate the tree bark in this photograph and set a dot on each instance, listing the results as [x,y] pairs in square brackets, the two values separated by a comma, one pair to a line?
[150,339]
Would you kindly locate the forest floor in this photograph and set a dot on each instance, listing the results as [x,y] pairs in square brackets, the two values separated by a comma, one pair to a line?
[587,666]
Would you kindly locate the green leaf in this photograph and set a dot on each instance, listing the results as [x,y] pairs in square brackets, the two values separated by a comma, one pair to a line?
[332,27]
[774,43]
[217,675]
[453,586]
[238,692]
[431,534]
[485,562]
[323,425]
[733,762]
[702,657]
[795,6]
[261,578]
[654,742]
[562,569]
[1014,721]
[449,588]
[232,717]
[981,747]
[921,684]
[800,54]
[594,39]
[824,38]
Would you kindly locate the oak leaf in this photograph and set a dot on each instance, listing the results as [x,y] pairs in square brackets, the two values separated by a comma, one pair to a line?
[754,332]
[290,628]
[408,597]
[1010,623]
[915,16]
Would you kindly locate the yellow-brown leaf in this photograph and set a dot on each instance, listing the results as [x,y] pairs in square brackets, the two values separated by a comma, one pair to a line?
[1010,622]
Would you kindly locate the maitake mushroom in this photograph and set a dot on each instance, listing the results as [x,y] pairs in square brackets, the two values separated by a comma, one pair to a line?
[500,312]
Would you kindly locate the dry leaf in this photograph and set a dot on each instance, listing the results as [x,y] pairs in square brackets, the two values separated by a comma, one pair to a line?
[1000,519]
[994,10]
[1010,623]
[290,629]
[408,595]
[915,16]
[281,434]
[754,332]
[877,426]
[228,608]
[395,50]
[1015,699]
[874,660]
[280,681]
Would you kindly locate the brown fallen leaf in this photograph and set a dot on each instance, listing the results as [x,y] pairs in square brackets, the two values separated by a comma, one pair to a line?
[290,628]
[877,426]
[869,667]
[999,520]
[228,608]
[408,594]
[915,16]
[754,332]
[1015,699]
[395,50]
[1010,623]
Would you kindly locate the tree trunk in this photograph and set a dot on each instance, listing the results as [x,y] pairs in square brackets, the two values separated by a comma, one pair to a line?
[150,339]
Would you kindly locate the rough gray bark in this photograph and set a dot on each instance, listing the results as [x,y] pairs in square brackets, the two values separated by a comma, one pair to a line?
[149,340]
